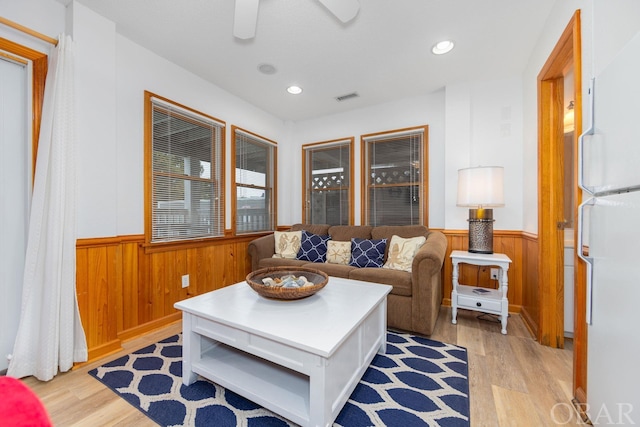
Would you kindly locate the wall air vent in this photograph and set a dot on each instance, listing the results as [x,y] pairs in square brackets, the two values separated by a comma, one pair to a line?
[347,96]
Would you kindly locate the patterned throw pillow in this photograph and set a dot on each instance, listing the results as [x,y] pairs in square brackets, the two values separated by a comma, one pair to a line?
[313,247]
[338,252]
[287,244]
[402,251]
[367,253]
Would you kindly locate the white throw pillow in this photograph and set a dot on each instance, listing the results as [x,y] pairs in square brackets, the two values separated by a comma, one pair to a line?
[287,244]
[338,252]
[402,251]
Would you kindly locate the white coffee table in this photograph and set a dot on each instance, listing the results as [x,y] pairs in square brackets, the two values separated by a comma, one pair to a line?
[300,359]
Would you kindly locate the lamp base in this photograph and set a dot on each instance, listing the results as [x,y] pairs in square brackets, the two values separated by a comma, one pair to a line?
[481,231]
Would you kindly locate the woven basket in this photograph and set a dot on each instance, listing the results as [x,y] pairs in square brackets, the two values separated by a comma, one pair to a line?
[317,277]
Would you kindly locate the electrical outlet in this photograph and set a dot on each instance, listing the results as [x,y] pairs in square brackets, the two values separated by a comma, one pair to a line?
[494,273]
[185,281]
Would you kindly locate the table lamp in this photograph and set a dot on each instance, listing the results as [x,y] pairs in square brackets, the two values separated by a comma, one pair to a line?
[481,187]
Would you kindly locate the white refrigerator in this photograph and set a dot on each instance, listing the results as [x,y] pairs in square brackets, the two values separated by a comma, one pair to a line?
[609,240]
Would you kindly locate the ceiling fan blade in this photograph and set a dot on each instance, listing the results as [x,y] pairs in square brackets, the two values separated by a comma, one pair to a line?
[245,19]
[344,10]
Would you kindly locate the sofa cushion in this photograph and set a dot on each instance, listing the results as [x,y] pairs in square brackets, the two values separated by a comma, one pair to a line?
[320,229]
[280,262]
[367,252]
[287,243]
[402,251]
[345,233]
[338,252]
[406,231]
[387,231]
[400,280]
[333,270]
[313,247]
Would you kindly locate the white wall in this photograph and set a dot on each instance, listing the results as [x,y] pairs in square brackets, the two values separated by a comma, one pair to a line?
[15,154]
[468,122]
[477,123]
[139,70]
[557,22]
[113,72]
[484,128]
[44,16]
[607,25]
[418,111]
[112,75]
[95,74]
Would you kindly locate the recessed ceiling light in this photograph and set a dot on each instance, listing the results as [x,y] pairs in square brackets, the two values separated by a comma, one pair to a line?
[442,47]
[294,90]
[267,69]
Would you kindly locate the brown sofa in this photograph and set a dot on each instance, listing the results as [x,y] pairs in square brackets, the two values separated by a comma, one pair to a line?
[415,299]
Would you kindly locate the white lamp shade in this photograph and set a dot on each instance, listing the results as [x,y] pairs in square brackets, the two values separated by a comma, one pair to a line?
[481,186]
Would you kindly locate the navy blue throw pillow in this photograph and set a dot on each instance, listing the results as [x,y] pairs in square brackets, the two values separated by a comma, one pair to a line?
[313,247]
[367,252]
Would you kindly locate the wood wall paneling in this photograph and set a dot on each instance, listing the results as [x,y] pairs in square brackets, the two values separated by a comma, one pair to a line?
[130,275]
[124,290]
[82,290]
[509,243]
[531,294]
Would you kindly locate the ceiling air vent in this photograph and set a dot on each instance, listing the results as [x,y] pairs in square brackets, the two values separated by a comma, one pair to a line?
[347,96]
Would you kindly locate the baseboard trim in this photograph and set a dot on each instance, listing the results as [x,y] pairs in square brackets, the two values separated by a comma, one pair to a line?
[529,323]
[135,332]
[101,351]
[580,409]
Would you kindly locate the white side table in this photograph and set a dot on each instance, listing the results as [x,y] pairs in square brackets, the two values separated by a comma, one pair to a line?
[492,301]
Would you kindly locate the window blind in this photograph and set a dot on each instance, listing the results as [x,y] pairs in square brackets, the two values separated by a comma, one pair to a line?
[328,183]
[187,199]
[254,182]
[394,164]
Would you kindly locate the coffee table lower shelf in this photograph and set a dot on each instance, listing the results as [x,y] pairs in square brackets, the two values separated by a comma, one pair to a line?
[254,378]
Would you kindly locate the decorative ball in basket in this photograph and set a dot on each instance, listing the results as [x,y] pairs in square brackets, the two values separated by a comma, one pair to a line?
[287,282]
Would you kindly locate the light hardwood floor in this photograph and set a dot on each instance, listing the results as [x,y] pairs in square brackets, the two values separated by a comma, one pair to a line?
[513,380]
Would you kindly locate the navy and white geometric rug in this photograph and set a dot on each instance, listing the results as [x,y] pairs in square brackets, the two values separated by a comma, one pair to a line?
[418,382]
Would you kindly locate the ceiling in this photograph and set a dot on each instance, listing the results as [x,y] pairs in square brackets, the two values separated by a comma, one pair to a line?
[383,54]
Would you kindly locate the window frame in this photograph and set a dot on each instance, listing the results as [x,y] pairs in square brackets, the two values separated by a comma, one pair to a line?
[270,185]
[424,169]
[306,174]
[149,98]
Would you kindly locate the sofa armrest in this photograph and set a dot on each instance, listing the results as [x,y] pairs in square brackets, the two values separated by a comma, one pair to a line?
[430,256]
[260,248]
[426,282]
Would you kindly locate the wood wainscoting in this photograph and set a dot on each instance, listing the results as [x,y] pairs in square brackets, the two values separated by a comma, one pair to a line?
[124,290]
[523,284]
[531,293]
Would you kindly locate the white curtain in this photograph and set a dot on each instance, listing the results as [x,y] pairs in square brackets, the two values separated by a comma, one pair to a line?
[50,336]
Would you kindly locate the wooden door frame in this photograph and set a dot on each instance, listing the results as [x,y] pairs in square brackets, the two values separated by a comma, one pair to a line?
[566,53]
[39,74]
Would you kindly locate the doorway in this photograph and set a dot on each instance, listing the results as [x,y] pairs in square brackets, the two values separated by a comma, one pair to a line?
[565,60]
[22,78]
[14,196]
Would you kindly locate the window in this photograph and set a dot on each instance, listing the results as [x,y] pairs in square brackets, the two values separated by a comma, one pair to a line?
[395,177]
[184,155]
[254,162]
[327,177]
